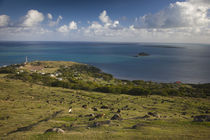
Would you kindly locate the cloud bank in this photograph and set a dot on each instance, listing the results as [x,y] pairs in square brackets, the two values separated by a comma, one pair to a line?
[187,21]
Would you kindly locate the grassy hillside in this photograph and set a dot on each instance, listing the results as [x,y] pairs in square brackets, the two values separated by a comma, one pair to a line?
[24,104]
[28,109]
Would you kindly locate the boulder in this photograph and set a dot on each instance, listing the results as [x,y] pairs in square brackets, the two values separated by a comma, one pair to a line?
[104,107]
[118,111]
[89,115]
[116,117]
[202,118]
[57,130]
[100,123]
[95,109]
[137,126]
[154,114]
[100,115]
[84,106]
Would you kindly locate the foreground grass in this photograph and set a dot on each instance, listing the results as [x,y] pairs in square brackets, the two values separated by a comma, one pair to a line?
[23,104]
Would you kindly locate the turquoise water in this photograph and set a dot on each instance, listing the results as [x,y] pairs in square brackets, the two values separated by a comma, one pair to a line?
[189,63]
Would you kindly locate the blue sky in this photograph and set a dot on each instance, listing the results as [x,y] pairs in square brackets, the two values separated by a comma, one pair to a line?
[106,20]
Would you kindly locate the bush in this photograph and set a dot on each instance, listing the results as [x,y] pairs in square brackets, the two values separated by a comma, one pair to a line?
[8,69]
[139,91]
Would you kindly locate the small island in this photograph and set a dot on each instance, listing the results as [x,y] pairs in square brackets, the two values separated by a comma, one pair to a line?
[142,54]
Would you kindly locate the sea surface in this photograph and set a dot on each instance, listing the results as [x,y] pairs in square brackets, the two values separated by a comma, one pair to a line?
[188,63]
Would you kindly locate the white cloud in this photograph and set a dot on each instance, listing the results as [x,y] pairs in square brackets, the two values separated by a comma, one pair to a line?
[63,29]
[4,20]
[186,21]
[72,25]
[180,14]
[49,16]
[33,18]
[104,18]
[55,23]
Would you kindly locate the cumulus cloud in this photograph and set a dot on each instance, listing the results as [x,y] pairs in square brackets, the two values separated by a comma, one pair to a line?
[187,21]
[72,25]
[104,18]
[49,16]
[190,13]
[65,28]
[54,23]
[4,20]
[33,18]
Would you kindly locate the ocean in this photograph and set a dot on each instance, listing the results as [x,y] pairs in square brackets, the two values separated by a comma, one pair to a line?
[188,63]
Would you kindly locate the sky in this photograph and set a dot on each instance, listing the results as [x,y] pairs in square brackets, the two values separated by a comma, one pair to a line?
[174,21]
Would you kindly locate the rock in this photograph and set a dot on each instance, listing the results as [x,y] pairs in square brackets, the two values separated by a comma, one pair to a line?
[111,109]
[92,119]
[116,117]
[142,54]
[125,107]
[80,116]
[145,116]
[90,115]
[202,118]
[104,107]
[100,123]
[137,126]
[57,130]
[95,109]
[84,106]
[184,113]
[4,118]
[96,124]
[100,115]
[154,114]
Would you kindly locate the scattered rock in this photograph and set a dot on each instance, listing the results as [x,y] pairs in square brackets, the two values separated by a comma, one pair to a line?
[57,130]
[95,109]
[116,117]
[4,117]
[145,116]
[90,115]
[92,119]
[137,126]
[202,118]
[100,123]
[125,107]
[96,124]
[104,107]
[184,113]
[100,115]
[111,109]
[154,114]
[84,106]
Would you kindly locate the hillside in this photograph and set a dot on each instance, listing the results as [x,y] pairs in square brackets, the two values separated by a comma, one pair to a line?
[29,108]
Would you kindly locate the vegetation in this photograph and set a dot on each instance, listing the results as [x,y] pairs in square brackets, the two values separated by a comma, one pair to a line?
[85,77]
[28,110]
[36,98]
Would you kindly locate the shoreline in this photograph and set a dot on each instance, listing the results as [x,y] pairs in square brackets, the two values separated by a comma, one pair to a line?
[119,77]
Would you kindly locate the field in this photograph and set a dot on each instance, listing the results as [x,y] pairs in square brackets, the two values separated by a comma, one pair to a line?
[24,104]
[30,110]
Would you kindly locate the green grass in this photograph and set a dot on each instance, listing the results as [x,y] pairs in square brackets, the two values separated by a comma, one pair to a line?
[23,104]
